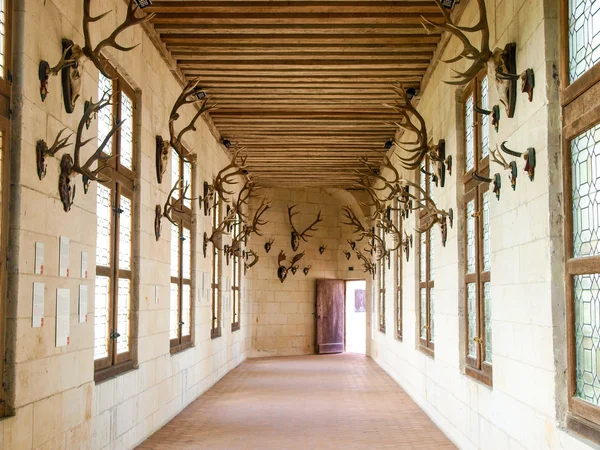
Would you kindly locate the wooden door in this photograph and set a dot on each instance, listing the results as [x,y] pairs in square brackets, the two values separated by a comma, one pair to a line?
[330,316]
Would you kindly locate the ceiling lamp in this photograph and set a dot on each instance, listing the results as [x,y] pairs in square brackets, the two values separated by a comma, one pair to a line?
[449,4]
[143,3]
[389,144]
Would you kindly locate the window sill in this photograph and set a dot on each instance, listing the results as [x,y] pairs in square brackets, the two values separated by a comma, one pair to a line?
[382,329]
[113,371]
[214,334]
[181,347]
[480,376]
[427,351]
[235,327]
[399,337]
[583,427]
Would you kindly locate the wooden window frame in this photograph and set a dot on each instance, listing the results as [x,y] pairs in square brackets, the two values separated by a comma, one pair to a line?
[121,183]
[474,191]
[185,220]
[426,345]
[580,102]
[215,285]
[5,174]
[398,273]
[236,280]
[381,283]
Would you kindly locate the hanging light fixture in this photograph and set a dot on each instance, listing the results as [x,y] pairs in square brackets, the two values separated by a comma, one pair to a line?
[143,3]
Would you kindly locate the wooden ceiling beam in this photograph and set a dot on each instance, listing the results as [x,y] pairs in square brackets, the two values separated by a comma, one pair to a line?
[283,19]
[299,38]
[276,31]
[296,7]
[323,48]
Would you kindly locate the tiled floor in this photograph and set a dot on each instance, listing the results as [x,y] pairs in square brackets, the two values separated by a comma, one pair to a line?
[312,402]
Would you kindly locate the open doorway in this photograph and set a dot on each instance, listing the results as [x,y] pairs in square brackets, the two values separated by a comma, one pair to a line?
[356,316]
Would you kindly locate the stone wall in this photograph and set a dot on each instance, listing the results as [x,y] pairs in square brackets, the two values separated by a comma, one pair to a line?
[525,406]
[283,319]
[57,404]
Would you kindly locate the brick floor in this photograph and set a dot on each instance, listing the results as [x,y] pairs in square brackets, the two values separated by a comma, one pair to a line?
[311,402]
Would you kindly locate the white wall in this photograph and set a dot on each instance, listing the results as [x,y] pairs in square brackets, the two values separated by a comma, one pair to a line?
[57,404]
[525,406]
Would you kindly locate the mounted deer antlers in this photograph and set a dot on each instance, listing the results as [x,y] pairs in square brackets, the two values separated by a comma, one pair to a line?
[225,177]
[283,270]
[418,148]
[171,205]
[296,236]
[477,57]
[73,57]
[42,151]
[191,94]
[71,166]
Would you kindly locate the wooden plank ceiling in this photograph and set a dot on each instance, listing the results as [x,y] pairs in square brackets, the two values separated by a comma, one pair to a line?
[300,83]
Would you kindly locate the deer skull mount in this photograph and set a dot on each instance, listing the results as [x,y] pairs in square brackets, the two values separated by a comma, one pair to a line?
[162,157]
[504,63]
[407,244]
[495,113]
[74,56]
[173,204]
[306,270]
[438,155]
[157,222]
[248,265]
[71,166]
[283,270]
[347,254]
[268,245]
[304,235]
[43,151]
[528,156]
[322,249]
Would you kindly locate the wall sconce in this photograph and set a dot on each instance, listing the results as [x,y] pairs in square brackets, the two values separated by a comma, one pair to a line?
[143,3]
[226,143]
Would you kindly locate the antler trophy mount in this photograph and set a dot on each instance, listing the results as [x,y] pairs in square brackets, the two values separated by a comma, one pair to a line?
[173,204]
[71,166]
[227,176]
[296,236]
[43,151]
[502,61]
[73,56]
[192,94]
[282,270]
[414,151]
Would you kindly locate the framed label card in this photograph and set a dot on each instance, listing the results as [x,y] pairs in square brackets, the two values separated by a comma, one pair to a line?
[84,264]
[39,258]
[63,311]
[37,319]
[63,256]
[83,303]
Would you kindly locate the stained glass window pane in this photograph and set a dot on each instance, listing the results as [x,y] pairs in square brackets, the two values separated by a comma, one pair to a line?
[485,120]
[187,181]
[105,115]
[125,234]
[585,169]
[174,171]
[399,311]
[487,260]
[431,253]
[584,36]
[101,317]
[126,150]
[423,257]
[470,237]
[487,299]
[187,254]
[174,312]
[470,135]
[174,251]
[472,319]
[123,309]
[431,314]
[423,313]
[587,336]
[186,304]
[103,225]
[2,37]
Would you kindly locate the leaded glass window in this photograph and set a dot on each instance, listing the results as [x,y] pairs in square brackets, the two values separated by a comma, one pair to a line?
[181,314]
[236,278]
[426,277]
[381,271]
[113,333]
[476,236]
[584,36]
[215,328]
[398,274]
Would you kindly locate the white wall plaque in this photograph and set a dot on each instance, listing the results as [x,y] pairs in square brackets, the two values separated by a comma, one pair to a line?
[84,264]
[63,256]
[156,294]
[83,304]
[63,310]
[39,258]
[37,319]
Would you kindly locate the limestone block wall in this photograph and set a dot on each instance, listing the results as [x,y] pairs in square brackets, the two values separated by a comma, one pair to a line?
[282,314]
[525,408]
[56,402]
